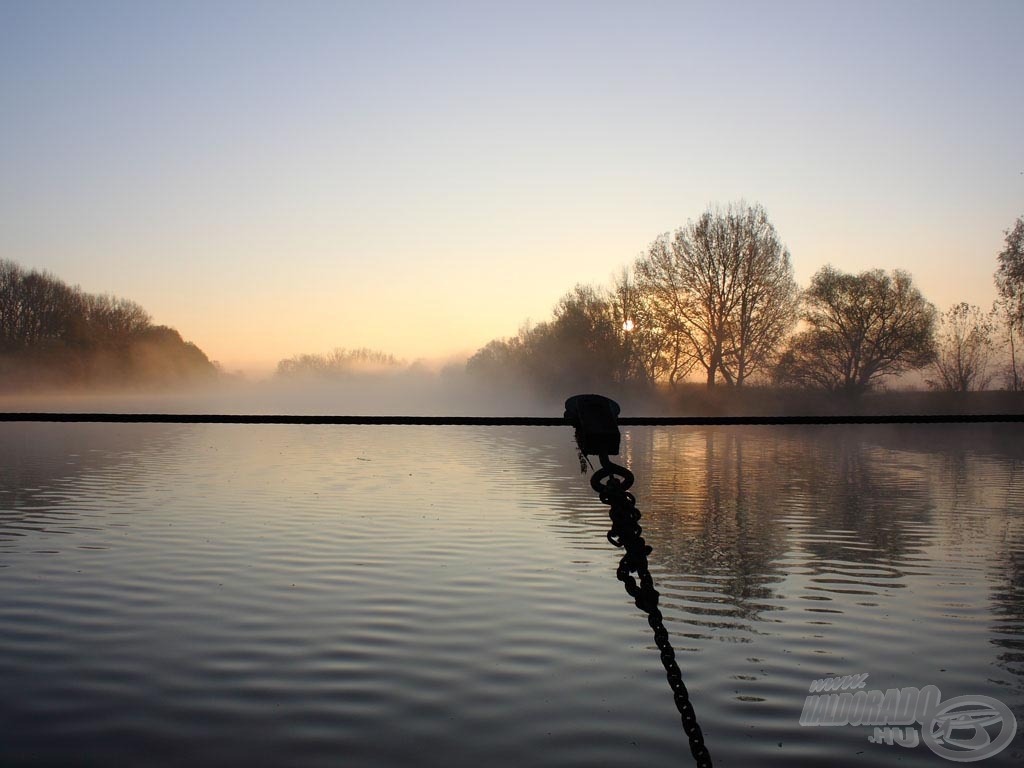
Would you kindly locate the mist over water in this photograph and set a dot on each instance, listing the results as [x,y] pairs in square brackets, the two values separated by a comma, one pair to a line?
[418,392]
[452,392]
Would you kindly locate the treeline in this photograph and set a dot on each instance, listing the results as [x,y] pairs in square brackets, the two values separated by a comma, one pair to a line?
[716,301]
[56,335]
[338,363]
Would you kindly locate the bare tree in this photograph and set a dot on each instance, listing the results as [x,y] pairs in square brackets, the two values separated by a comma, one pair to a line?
[10,284]
[1010,286]
[724,286]
[661,285]
[652,345]
[1012,338]
[37,308]
[860,329]
[963,351]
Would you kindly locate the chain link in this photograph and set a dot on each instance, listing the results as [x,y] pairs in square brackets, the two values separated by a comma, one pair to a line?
[612,483]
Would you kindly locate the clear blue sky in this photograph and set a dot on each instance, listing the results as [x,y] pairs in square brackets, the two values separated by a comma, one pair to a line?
[421,177]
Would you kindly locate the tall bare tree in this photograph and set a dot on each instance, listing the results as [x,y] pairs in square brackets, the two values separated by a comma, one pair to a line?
[860,329]
[651,345]
[1010,286]
[963,350]
[724,287]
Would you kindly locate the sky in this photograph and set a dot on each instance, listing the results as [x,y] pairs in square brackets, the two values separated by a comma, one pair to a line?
[421,177]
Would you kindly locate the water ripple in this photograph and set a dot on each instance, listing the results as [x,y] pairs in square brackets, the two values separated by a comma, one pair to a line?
[379,596]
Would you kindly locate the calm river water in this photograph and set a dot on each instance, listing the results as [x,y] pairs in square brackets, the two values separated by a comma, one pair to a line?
[399,596]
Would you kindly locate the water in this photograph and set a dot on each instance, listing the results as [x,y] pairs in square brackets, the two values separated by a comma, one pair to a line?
[393,596]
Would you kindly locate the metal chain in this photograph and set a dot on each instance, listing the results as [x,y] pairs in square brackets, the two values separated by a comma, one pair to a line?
[612,483]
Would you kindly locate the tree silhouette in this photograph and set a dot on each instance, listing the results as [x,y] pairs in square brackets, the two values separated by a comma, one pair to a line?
[724,286]
[861,328]
[53,334]
[1010,286]
[964,347]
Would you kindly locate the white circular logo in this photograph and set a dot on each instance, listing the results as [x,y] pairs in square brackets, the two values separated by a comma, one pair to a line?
[959,729]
